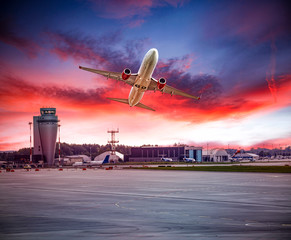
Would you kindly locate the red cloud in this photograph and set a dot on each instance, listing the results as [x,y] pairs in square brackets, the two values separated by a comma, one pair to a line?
[11,145]
[16,92]
[274,143]
[232,105]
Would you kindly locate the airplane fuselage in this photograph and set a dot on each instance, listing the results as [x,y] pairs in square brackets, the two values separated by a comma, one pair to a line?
[141,81]
[144,76]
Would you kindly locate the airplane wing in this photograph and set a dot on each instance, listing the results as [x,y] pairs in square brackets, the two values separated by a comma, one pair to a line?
[112,75]
[169,89]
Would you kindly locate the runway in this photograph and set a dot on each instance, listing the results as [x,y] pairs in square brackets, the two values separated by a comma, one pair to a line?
[139,204]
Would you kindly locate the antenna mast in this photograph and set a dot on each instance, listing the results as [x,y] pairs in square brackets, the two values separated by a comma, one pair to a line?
[113,141]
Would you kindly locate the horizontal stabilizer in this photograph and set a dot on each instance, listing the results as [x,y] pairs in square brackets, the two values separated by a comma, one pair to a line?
[122,100]
[144,106]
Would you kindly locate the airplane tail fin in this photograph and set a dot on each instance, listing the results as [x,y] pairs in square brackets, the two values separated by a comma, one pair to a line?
[106,159]
[122,100]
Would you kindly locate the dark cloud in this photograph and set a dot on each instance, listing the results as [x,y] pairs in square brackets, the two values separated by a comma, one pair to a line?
[205,85]
[251,21]
[98,51]
[8,36]
[243,34]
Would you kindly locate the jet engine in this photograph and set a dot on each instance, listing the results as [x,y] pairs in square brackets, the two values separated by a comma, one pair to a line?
[161,83]
[126,74]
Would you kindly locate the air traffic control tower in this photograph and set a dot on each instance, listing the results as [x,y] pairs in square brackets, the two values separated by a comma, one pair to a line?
[45,129]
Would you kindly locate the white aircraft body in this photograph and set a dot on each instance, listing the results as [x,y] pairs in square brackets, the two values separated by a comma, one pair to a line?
[189,160]
[80,164]
[92,163]
[141,81]
[167,159]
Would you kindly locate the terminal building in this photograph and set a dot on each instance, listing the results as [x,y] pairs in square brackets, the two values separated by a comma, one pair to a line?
[155,154]
[45,129]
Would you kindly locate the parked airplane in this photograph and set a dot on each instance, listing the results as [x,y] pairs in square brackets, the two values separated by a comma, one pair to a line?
[141,81]
[189,159]
[105,160]
[92,163]
[167,159]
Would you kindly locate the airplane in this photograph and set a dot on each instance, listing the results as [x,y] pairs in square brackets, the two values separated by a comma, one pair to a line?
[233,158]
[105,160]
[80,164]
[189,159]
[141,81]
[167,159]
[92,163]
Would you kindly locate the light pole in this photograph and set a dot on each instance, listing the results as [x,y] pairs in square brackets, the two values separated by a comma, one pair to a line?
[59,143]
[208,159]
[30,157]
[90,154]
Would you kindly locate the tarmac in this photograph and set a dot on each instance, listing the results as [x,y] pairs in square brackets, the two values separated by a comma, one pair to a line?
[144,204]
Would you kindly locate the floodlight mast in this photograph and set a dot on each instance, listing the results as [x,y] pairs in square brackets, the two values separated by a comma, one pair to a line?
[112,142]
[30,156]
[59,143]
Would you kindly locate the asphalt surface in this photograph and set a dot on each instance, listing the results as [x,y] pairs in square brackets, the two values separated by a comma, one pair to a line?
[246,163]
[138,204]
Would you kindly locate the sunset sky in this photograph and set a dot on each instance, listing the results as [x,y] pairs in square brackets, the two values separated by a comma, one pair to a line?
[237,54]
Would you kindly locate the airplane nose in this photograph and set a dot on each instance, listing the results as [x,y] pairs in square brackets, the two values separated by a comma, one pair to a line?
[155,53]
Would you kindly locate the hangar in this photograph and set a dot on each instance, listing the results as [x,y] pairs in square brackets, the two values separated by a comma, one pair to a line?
[215,155]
